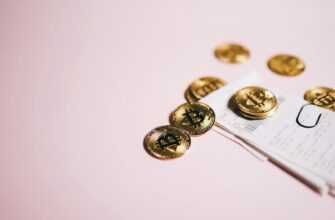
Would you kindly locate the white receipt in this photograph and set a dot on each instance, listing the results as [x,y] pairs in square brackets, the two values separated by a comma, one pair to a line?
[309,144]
[303,146]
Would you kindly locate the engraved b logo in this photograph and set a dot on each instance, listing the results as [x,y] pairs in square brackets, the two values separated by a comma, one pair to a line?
[256,100]
[325,99]
[193,117]
[208,88]
[290,63]
[168,140]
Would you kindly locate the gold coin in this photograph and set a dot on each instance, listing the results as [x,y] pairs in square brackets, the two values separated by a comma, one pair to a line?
[167,142]
[321,96]
[196,118]
[189,97]
[232,53]
[257,117]
[201,87]
[255,102]
[286,65]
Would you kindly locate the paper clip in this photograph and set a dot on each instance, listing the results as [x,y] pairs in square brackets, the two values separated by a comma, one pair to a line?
[306,126]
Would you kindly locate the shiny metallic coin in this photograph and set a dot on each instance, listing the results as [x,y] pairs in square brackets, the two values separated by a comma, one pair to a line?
[255,102]
[258,116]
[232,53]
[167,142]
[196,118]
[286,65]
[202,87]
[189,97]
[321,96]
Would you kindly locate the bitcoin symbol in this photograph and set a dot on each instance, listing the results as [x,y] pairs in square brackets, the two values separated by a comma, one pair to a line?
[289,61]
[256,100]
[168,140]
[196,118]
[321,96]
[205,86]
[208,88]
[325,99]
[232,53]
[289,64]
[193,117]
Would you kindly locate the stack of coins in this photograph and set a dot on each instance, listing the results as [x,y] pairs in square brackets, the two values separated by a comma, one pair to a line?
[321,96]
[255,102]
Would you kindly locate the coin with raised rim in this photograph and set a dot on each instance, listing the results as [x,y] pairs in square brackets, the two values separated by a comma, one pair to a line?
[321,96]
[189,97]
[202,87]
[286,65]
[255,102]
[196,118]
[232,53]
[167,142]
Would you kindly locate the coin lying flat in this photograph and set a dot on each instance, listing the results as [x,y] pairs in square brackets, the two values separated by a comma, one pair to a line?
[167,142]
[255,102]
[203,86]
[232,53]
[321,96]
[196,118]
[286,65]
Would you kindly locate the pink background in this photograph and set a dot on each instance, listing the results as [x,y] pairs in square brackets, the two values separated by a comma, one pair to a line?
[82,82]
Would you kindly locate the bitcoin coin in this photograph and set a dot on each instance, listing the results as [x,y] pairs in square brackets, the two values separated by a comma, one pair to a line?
[321,96]
[255,102]
[232,53]
[167,142]
[286,65]
[196,118]
[202,87]
[189,97]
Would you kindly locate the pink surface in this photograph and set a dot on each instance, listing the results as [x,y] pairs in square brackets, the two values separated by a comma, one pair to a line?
[82,82]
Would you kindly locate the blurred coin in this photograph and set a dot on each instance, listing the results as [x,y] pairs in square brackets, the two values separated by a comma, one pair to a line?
[255,102]
[286,65]
[232,53]
[201,87]
[256,117]
[321,96]
[167,142]
[196,118]
[189,97]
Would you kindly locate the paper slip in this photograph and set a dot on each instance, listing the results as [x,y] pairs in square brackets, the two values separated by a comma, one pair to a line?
[300,143]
